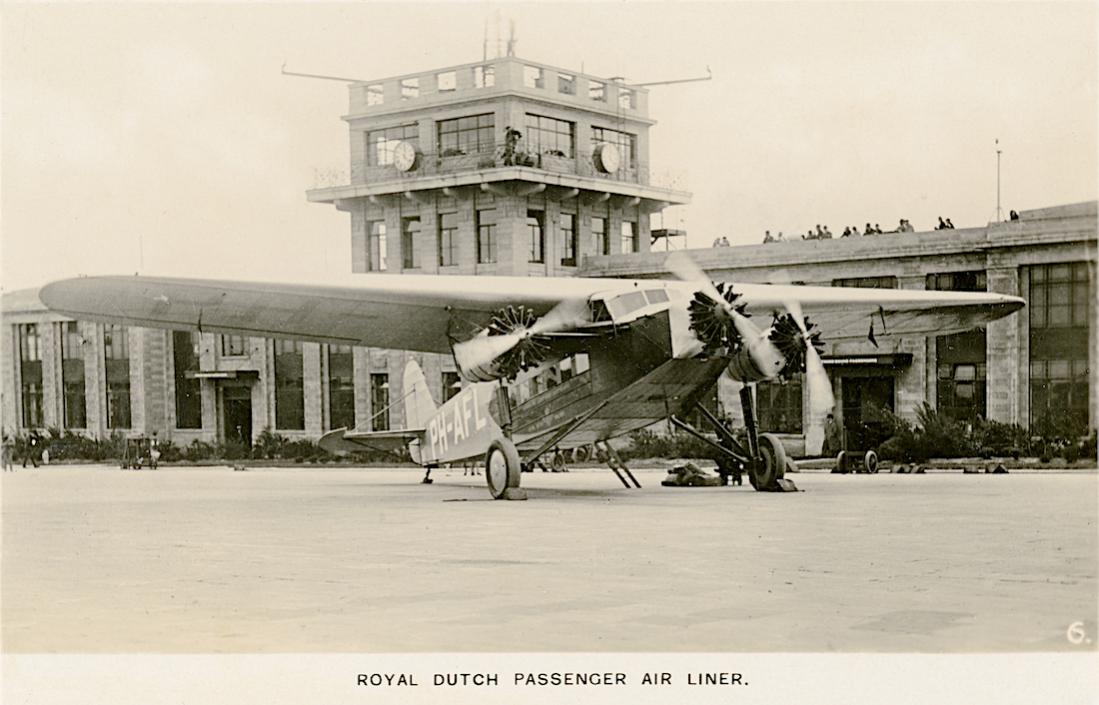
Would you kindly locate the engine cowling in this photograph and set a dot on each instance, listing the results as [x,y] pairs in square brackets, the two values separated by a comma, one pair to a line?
[757,360]
[507,346]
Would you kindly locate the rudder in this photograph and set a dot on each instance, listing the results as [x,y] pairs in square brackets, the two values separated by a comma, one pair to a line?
[418,404]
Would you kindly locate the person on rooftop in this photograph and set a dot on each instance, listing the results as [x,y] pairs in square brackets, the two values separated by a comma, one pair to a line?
[949,225]
[767,236]
[941,225]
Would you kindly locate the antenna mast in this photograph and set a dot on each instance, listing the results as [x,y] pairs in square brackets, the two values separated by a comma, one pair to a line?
[999,211]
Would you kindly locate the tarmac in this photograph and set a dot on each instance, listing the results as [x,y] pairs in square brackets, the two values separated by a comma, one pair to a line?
[338,559]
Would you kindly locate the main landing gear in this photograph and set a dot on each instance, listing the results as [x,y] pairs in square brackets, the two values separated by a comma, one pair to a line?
[502,468]
[764,457]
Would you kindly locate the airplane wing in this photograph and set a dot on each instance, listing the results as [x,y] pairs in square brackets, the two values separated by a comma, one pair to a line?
[417,312]
[845,313]
[408,312]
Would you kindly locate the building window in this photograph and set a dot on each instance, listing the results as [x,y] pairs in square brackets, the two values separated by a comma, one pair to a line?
[341,387]
[547,135]
[379,401]
[960,358]
[533,77]
[289,385]
[597,90]
[1059,296]
[379,250]
[626,98]
[779,405]
[484,76]
[448,239]
[626,143]
[867,282]
[116,354]
[410,88]
[566,83]
[630,242]
[188,387]
[960,390]
[537,231]
[1060,314]
[30,373]
[467,135]
[381,143]
[600,238]
[486,235]
[447,81]
[568,239]
[234,346]
[72,375]
[410,236]
[375,94]
[452,384]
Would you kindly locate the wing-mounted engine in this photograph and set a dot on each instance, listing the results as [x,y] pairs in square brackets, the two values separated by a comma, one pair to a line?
[516,339]
[793,341]
[712,322]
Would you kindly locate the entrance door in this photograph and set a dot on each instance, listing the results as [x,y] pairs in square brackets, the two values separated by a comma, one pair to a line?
[863,399]
[237,412]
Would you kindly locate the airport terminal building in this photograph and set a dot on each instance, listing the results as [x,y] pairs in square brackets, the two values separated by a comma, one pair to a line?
[509,167]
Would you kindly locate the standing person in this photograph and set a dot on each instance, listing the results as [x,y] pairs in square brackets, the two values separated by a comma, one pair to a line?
[6,452]
[31,449]
[833,438]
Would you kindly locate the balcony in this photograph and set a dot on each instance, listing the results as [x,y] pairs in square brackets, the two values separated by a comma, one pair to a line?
[454,161]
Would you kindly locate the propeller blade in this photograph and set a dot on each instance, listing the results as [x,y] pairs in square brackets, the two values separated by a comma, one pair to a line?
[564,316]
[483,349]
[682,266]
[821,400]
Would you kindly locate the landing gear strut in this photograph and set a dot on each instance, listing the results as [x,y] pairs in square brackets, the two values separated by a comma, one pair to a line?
[764,457]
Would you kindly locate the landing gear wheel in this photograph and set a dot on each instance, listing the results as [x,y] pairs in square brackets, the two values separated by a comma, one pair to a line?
[765,472]
[870,462]
[502,467]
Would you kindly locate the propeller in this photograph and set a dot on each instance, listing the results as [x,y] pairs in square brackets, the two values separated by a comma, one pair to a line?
[511,342]
[748,334]
[821,400]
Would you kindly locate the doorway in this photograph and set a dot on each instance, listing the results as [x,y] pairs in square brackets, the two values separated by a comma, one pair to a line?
[236,404]
[864,425]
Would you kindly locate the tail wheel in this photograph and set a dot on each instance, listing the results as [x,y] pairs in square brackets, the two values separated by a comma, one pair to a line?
[770,466]
[502,467]
[870,462]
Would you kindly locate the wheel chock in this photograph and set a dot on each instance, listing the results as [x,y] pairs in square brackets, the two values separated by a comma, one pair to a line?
[783,484]
[515,493]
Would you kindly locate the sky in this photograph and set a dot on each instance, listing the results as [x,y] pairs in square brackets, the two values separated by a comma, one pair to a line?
[162,138]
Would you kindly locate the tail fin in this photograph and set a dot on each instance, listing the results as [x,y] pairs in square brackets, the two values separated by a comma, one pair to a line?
[418,404]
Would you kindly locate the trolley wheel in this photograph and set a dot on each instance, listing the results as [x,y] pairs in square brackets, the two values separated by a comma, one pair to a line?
[870,462]
[502,467]
[580,454]
[558,462]
[770,467]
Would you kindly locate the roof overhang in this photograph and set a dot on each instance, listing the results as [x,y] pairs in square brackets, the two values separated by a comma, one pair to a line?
[499,176]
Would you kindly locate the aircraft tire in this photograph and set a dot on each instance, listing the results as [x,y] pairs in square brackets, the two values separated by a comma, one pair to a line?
[870,461]
[502,467]
[770,467]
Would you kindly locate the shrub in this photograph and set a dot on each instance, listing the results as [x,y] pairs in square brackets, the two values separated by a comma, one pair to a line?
[998,438]
[200,450]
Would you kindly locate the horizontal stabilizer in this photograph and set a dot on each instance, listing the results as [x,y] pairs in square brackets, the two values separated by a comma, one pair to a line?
[344,441]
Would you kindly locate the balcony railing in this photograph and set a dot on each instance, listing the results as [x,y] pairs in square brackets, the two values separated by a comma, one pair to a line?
[454,161]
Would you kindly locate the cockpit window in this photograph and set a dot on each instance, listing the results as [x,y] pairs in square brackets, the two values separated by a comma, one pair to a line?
[656,296]
[622,306]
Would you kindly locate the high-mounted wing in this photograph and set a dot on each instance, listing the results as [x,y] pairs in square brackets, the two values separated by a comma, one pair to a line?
[410,312]
[421,312]
[844,313]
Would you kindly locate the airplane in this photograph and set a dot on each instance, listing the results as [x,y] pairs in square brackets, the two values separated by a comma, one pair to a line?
[653,349]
